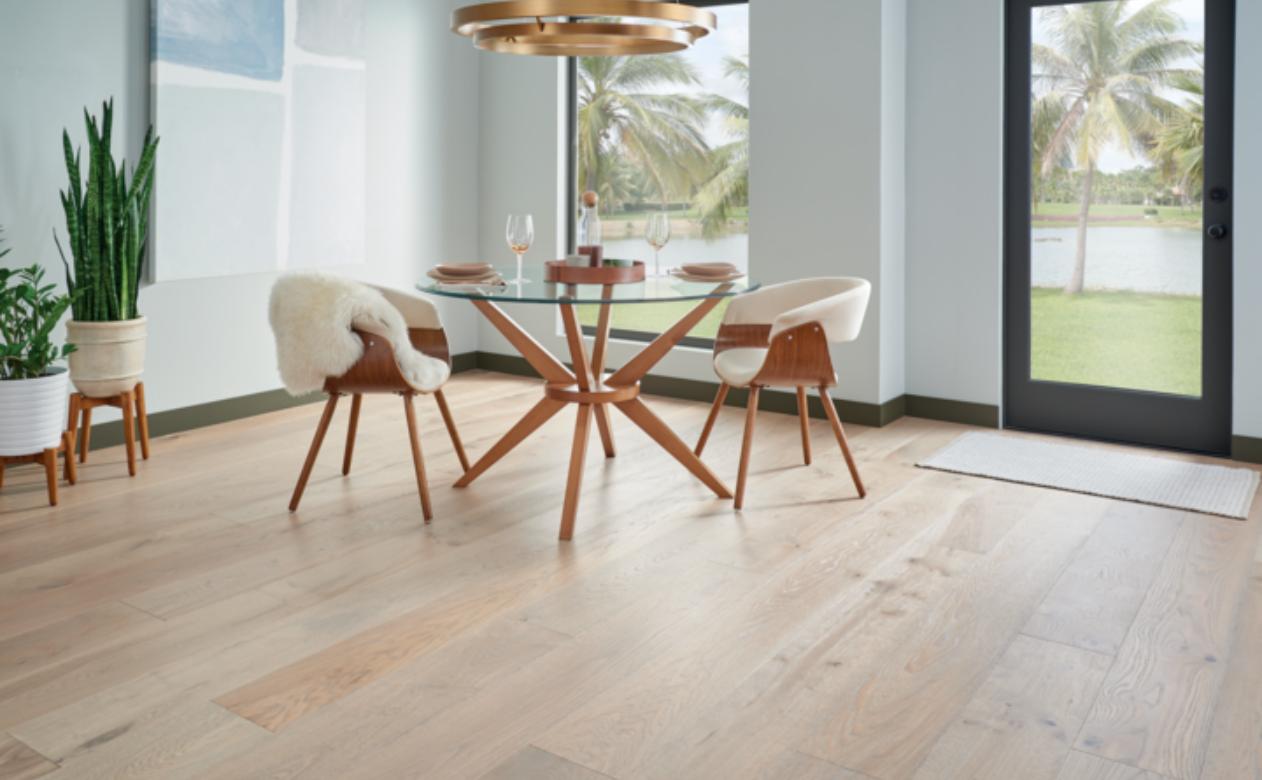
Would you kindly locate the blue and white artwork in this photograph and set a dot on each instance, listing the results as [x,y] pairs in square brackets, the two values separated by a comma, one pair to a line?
[261,107]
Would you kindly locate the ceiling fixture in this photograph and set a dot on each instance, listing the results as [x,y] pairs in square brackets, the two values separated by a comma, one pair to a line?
[583,28]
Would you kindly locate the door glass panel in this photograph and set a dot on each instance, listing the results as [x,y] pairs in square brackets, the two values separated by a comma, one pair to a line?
[1117,134]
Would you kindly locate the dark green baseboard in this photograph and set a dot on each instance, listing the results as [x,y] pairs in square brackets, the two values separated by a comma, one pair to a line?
[1246,449]
[965,412]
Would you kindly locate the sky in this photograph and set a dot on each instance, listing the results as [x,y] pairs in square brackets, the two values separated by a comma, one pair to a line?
[1114,158]
[708,54]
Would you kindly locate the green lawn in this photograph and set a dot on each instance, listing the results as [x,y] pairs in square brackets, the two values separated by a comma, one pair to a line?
[1115,215]
[1117,339]
[656,317]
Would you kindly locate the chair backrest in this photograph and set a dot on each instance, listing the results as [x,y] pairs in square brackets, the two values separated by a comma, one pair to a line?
[836,303]
[417,312]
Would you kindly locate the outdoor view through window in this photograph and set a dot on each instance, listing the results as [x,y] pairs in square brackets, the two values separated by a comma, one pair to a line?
[1118,135]
[669,133]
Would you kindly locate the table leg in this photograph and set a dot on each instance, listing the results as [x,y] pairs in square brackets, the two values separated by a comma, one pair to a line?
[539,358]
[578,453]
[543,411]
[641,364]
[599,353]
[651,424]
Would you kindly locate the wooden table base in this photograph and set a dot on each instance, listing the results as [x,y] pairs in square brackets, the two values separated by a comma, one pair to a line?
[593,392]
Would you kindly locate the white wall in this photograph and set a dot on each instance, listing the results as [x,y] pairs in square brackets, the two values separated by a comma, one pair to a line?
[954,199]
[1247,393]
[826,172]
[209,338]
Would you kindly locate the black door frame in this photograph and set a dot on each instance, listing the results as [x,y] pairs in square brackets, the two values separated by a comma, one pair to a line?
[1155,419]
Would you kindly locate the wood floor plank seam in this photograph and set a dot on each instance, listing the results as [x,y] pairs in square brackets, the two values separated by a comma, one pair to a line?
[55,764]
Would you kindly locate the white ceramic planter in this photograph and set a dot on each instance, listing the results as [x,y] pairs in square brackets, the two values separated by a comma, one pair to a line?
[109,357]
[33,413]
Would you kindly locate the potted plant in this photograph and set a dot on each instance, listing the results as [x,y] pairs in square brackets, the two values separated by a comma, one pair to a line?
[107,225]
[32,390]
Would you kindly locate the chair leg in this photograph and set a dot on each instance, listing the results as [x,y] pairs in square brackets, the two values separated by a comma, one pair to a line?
[50,471]
[840,432]
[714,415]
[450,422]
[142,417]
[351,428]
[67,444]
[129,432]
[804,417]
[321,429]
[87,435]
[418,461]
[1,473]
[751,412]
[72,433]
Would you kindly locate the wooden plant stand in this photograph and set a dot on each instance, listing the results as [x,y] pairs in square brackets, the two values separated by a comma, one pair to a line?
[132,404]
[49,460]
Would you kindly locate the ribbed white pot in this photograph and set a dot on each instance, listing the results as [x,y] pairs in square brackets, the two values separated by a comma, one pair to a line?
[109,357]
[33,413]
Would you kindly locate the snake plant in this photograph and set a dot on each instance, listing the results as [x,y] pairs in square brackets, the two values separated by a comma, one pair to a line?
[107,223]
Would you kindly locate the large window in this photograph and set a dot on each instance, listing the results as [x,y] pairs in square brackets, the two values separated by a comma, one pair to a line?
[667,133]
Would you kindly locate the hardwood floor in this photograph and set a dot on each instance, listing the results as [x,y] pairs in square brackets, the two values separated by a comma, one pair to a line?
[184,624]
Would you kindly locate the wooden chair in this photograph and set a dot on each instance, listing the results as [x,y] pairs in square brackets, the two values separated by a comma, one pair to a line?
[778,336]
[378,372]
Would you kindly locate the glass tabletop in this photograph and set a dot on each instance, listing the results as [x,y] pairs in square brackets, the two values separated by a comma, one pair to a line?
[535,290]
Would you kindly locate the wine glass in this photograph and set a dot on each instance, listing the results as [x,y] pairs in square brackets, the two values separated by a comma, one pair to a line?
[657,233]
[520,234]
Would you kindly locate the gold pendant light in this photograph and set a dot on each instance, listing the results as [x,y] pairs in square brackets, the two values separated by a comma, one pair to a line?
[583,28]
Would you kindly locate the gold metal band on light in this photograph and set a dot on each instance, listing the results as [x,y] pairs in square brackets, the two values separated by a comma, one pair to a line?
[616,27]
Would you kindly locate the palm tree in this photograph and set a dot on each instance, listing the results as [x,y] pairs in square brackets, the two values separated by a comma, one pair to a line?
[1100,81]
[1180,145]
[625,116]
[729,182]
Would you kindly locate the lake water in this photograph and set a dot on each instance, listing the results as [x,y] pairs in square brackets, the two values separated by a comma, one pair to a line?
[1156,260]
[729,249]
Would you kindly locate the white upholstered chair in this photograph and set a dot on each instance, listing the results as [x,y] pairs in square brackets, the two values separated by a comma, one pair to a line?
[778,336]
[348,338]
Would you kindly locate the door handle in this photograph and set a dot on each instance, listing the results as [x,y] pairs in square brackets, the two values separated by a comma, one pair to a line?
[1217,232]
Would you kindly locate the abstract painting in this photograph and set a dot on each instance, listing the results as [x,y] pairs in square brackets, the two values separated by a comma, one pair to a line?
[261,107]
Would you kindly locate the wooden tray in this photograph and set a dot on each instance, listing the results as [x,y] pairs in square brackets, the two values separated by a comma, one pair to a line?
[557,271]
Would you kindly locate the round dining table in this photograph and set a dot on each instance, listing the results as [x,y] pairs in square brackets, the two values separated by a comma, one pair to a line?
[587,385]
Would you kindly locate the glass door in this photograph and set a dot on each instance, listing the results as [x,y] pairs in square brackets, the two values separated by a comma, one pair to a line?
[1118,220]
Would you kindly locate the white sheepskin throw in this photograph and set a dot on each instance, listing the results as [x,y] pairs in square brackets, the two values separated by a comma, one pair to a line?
[312,315]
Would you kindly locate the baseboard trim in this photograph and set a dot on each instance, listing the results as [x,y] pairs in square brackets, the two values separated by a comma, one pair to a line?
[945,410]
[874,415]
[191,417]
[1246,449]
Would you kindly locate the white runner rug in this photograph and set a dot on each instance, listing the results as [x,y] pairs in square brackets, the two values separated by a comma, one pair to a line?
[1147,479]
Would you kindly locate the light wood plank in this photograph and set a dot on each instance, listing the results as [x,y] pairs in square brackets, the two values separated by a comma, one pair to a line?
[1083,766]
[534,764]
[1022,721]
[1120,559]
[1235,743]
[1155,709]
[20,762]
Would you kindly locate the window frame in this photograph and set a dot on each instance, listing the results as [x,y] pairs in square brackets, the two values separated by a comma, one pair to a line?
[571,189]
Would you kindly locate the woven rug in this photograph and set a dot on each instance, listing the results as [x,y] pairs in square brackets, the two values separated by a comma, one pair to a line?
[1147,479]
